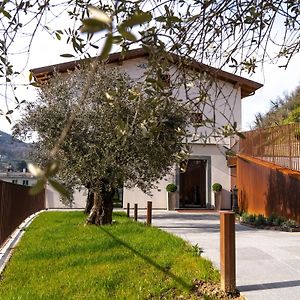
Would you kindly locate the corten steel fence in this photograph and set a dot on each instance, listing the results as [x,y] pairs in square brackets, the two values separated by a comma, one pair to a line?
[279,145]
[264,188]
[15,206]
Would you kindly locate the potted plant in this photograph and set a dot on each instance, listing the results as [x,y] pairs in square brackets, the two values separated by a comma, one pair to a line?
[217,188]
[171,189]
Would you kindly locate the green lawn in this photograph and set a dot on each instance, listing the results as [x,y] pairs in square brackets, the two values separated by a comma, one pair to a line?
[61,258]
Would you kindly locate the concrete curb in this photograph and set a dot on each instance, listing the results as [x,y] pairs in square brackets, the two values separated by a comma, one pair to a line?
[8,247]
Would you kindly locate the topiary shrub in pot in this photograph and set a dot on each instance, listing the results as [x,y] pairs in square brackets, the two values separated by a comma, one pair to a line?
[171,188]
[172,196]
[217,188]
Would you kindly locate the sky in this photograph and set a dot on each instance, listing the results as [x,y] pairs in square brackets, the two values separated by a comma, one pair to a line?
[277,82]
[46,50]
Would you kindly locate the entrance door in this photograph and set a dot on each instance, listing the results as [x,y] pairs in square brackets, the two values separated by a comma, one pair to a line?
[193,184]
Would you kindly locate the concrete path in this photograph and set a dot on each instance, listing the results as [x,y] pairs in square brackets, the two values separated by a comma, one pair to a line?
[268,262]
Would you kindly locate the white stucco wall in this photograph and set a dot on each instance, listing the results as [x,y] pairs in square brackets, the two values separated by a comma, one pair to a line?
[53,198]
[224,107]
[135,68]
[158,197]
[219,173]
[223,104]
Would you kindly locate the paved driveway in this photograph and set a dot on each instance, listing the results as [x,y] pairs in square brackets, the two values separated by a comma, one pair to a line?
[268,262]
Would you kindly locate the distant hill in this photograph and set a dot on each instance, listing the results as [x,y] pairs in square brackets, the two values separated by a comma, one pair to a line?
[284,110]
[12,151]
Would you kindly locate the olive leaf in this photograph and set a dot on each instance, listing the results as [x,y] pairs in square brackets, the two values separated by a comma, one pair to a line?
[138,18]
[99,15]
[35,170]
[67,55]
[107,47]
[38,187]
[93,26]
[58,187]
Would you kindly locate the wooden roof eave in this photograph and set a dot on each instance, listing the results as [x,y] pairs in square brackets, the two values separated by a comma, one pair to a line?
[248,87]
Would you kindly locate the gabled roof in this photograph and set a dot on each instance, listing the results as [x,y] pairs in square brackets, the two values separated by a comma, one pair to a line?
[248,87]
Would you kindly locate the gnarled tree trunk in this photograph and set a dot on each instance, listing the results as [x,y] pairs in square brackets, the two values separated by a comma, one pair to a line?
[89,202]
[101,212]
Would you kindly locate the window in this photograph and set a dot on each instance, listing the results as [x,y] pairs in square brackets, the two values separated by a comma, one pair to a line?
[166,79]
[25,182]
[15,181]
[196,119]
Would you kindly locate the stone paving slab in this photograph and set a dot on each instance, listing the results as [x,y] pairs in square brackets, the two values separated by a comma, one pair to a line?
[268,262]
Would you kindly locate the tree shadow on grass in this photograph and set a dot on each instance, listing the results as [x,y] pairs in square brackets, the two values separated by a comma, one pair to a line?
[176,278]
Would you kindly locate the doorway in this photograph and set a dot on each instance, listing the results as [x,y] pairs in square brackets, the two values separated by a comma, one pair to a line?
[193,183]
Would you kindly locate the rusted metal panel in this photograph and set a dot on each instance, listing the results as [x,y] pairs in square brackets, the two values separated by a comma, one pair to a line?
[266,188]
[233,173]
[231,161]
[15,206]
[227,251]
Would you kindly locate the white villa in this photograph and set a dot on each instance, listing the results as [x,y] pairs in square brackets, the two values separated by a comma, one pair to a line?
[22,178]
[207,163]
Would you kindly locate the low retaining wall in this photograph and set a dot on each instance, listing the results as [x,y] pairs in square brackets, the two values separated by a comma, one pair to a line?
[266,188]
[53,199]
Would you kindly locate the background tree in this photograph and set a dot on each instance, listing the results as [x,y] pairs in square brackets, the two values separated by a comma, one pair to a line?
[125,133]
[21,165]
[284,110]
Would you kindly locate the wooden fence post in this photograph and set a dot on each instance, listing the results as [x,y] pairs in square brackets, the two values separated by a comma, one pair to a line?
[128,210]
[149,212]
[290,148]
[135,211]
[227,251]
[273,146]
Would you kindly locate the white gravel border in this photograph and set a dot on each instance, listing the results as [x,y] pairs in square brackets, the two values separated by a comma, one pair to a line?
[7,248]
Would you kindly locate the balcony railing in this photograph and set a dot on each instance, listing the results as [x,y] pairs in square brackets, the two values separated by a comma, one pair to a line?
[279,145]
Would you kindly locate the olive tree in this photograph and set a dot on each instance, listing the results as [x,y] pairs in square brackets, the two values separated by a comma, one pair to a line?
[124,133]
